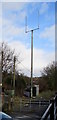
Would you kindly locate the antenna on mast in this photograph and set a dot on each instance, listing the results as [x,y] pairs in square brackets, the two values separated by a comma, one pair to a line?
[26,24]
[38,18]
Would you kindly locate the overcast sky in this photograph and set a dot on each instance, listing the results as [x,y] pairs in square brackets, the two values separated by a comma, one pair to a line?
[12,29]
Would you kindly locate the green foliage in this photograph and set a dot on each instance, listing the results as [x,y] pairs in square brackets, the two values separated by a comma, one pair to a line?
[46,94]
[20,84]
[7,79]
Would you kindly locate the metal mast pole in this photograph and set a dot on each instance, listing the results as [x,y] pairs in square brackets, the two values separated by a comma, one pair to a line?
[31,63]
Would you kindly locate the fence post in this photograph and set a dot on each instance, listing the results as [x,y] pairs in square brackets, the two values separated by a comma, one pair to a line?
[56,104]
[52,110]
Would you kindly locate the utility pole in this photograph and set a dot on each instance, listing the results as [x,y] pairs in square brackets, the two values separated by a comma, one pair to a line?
[26,31]
[14,74]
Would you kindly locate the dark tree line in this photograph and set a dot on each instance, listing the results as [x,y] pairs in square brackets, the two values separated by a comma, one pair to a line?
[48,80]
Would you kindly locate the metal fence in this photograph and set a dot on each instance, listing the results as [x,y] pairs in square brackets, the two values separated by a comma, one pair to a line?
[51,111]
[44,109]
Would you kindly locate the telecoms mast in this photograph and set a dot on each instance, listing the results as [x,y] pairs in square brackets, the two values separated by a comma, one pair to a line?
[26,31]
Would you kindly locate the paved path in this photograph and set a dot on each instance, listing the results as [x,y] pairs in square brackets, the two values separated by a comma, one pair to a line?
[25,114]
[27,117]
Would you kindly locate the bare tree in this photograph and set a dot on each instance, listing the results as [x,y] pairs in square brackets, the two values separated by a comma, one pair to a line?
[7,57]
[8,64]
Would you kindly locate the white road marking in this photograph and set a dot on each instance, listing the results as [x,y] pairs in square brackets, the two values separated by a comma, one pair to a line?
[24,116]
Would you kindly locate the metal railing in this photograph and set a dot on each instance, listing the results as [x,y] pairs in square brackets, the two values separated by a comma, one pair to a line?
[51,111]
[48,108]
